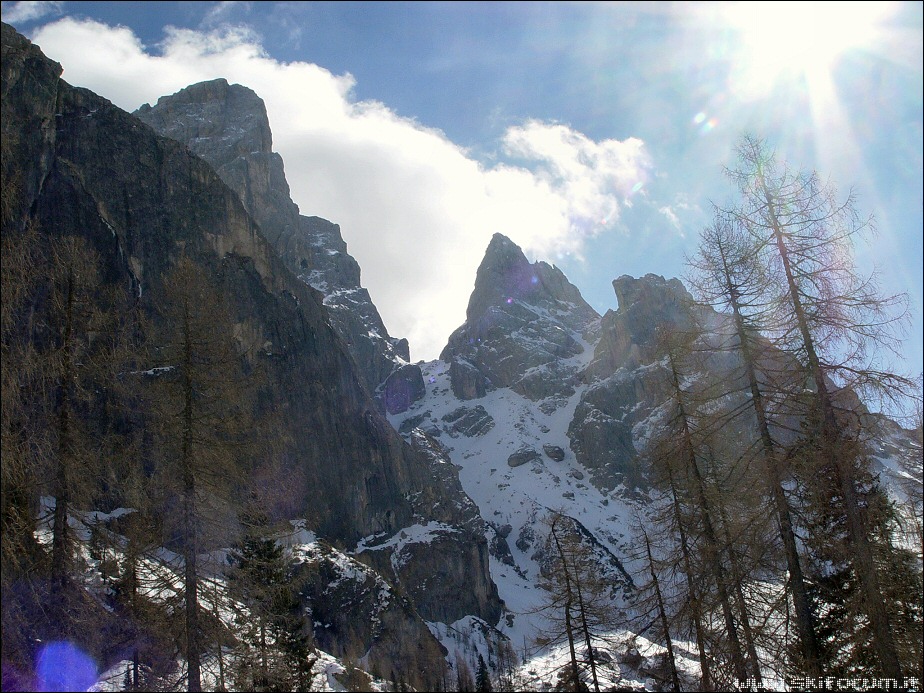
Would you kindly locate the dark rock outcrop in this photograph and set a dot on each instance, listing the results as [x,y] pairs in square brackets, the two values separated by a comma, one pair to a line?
[402,388]
[554,452]
[522,456]
[469,421]
[355,611]
[467,381]
[523,322]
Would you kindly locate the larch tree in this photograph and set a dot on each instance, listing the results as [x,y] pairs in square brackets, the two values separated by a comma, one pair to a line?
[670,518]
[82,347]
[580,605]
[836,324]
[689,445]
[657,602]
[727,278]
[201,407]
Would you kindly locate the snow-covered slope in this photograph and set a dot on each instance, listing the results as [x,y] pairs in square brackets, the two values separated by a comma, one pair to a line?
[527,341]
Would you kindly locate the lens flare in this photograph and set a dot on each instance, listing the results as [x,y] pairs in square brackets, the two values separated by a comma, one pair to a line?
[62,666]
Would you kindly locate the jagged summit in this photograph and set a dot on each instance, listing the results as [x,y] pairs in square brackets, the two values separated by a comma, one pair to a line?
[627,334]
[227,125]
[232,112]
[651,290]
[524,323]
[506,275]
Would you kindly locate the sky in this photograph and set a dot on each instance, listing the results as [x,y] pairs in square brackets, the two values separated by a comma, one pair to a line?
[594,135]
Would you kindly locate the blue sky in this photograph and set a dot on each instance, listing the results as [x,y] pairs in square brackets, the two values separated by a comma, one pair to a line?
[592,134]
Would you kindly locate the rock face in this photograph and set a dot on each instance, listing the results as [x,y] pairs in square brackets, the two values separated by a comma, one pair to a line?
[403,387]
[627,335]
[226,124]
[624,386]
[357,613]
[522,324]
[141,200]
[467,381]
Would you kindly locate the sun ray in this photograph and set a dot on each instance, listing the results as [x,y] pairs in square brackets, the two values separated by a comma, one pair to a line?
[784,41]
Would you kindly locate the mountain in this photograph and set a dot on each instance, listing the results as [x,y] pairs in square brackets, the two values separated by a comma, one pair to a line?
[83,167]
[523,323]
[515,400]
[226,124]
[548,408]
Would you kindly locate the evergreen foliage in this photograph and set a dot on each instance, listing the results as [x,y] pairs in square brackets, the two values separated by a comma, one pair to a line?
[482,677]
[275,634]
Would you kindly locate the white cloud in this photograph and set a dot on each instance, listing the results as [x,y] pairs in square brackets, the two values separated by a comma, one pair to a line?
[21,12]
[222,13]
[415,209]
[671,216]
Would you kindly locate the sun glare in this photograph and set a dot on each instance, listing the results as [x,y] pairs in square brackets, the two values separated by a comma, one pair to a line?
[792,39]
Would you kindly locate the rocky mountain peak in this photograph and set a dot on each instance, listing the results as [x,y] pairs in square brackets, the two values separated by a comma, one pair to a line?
[226,124]
[651,291]
[524,322]
[215,108]
[506,276]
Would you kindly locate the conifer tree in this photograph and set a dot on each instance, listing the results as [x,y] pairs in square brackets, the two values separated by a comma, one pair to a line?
[274,627]
[661,607]
[579,606]
[200,406]
[506,664]
[673,522]
[835,323]
[727,278]
[482,677]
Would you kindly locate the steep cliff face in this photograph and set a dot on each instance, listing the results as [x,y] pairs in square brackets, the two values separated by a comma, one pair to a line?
[523,323]
[624,383]
[87,168]
[226,124]
[29,100]
[322,261]
[627,335]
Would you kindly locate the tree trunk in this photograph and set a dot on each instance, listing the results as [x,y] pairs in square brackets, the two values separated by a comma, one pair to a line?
[193,652]
[805,619]
[705,669]
[264,669]
[831,439]
[584,627]
[60,542]
[737,580]
[575,672]
[662,613]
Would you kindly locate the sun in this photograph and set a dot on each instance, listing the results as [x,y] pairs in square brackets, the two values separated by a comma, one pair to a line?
[789,40]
